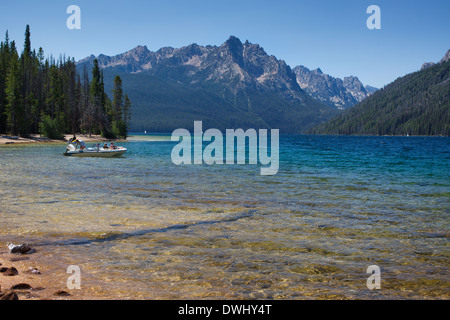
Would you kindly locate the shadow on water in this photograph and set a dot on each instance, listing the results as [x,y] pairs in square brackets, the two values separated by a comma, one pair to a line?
[122,236]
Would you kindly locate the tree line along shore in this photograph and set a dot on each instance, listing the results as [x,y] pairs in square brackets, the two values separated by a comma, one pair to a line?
[36,138]
[49,97]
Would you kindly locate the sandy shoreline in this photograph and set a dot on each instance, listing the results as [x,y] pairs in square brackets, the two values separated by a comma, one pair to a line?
[35,138]
[44,275]
[32,278]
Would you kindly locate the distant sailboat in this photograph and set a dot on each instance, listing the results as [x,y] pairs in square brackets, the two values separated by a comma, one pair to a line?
[145,131]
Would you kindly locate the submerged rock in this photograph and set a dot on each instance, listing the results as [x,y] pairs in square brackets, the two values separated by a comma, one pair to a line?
[62,293]
[20,249]
[11,272]
[21,286]
[33,271]
[9,295]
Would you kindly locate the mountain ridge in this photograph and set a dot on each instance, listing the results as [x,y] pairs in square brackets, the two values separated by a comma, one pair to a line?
[240,77]
[249,62]
[231,59]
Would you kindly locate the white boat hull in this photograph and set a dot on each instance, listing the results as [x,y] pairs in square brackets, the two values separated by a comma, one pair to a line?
[101,153]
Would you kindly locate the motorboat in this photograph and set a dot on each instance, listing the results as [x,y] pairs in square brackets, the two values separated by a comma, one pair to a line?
[94,151]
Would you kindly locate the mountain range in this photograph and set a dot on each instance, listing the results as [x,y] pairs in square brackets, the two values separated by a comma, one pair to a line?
[235,85]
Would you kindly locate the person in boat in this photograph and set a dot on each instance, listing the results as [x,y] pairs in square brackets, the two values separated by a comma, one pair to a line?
[81,143]
[105,146]
[112,146]
[74,139]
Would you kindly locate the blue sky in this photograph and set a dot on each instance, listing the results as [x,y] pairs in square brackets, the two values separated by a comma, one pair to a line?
[328,34]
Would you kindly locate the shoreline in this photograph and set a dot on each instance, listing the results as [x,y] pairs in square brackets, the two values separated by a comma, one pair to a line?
[42,274]
[32,277]
[36,138]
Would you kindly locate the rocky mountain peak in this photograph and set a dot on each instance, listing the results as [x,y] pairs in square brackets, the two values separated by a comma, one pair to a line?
[193,49]
[233,43]
[318,71]
[446,57]
[430,64]
[140,49]
[329,90]
[426,65]
[138,53]
[234,47]
[353,82]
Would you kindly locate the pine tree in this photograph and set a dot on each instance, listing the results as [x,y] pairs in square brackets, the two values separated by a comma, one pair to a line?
[117,103]
[95,95]
[119,127]
[98,101]
[126,114]
[6,54]
[87,113]
[26,74]
[13,108]
[27,44]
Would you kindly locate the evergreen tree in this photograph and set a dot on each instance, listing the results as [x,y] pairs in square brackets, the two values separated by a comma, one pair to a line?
[13,108]
[117,103]
[4,69]
[120,110]
[27,75]
[126,114]
[97,95]
[27,44]
[87,113]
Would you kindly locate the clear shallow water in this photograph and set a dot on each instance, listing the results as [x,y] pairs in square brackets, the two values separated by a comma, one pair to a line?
[141,227]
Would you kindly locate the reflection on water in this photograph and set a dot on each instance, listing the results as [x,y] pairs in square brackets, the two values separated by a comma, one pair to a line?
[141,227]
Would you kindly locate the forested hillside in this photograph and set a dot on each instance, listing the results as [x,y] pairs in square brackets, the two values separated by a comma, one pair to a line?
[416,104]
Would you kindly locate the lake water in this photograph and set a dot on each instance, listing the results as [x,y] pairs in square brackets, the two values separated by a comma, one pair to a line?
[140,227]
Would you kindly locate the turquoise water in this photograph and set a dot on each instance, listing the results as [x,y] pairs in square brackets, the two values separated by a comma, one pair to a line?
[141,227]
